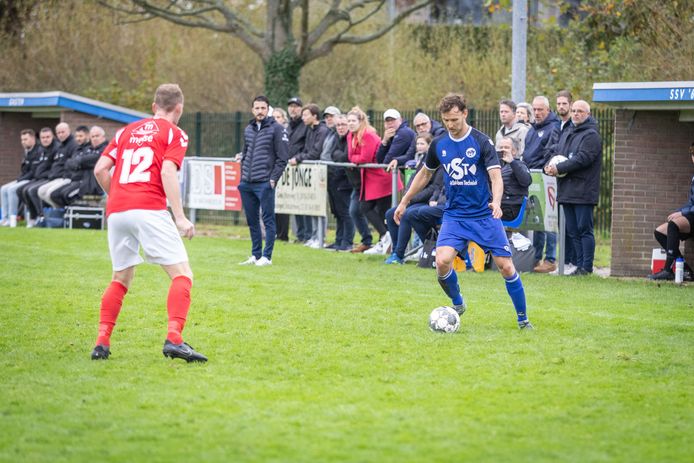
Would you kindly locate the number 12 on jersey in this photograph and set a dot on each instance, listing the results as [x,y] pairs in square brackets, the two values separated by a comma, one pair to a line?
[141,158]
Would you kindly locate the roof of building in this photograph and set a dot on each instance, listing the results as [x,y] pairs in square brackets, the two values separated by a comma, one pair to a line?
[44,102]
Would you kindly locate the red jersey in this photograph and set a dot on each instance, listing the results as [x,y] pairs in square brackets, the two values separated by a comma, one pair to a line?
[139,149]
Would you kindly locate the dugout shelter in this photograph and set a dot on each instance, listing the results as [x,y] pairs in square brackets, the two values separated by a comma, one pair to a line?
[36,110]
[654,128]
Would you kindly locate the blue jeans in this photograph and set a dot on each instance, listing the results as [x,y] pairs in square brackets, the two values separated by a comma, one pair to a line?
[423,219]
[400,234]
[359,219]
[304,227]
[539,240]
[254,197]
[579,233]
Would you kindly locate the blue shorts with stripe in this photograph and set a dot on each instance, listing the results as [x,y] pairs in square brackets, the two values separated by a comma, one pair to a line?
[487,232]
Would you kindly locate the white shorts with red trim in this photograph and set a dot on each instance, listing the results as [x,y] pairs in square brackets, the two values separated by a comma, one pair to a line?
[154,231]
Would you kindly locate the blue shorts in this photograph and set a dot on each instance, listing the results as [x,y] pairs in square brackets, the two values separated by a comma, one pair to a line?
[488,233]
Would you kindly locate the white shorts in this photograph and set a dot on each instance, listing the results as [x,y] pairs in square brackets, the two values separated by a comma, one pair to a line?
[155,231]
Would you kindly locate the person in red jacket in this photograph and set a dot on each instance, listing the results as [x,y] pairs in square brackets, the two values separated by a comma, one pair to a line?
[376,190]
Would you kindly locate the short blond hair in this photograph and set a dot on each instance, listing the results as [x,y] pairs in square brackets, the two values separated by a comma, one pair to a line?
[168,96]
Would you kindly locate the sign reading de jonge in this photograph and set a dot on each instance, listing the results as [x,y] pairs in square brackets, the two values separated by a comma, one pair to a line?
[302,190]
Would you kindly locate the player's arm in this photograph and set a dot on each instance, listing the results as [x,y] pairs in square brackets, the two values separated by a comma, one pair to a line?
[169,180]
[102,172]
[497,191]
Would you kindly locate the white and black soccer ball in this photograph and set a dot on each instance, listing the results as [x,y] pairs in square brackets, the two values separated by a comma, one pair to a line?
[444,320]
[556,160]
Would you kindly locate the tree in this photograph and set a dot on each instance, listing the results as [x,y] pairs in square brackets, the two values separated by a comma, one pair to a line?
[283,48]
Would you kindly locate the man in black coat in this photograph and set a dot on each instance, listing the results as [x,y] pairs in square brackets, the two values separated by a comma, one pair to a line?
[578,183]
[263,159]
[41,167]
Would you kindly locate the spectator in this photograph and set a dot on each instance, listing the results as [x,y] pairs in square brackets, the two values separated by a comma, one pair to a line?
[316,133]
[81,167]
[510,127]
[375,194]
[401,233]
[329,114]
[58,174]
[9,200]
[424,124]
[263,160]
[536,154]
[359,220]
[579,190]
[516,177]
[297,139]
[397,138]
[339,186]
[524,113]
[280,115]
[42,166]
[678,228]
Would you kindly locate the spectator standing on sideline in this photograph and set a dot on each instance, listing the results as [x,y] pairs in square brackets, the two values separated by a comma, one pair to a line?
[29,191]
[297,139]
[524,114]
[376,192]
[678,228]
[424,124]
[58,175]
[263,160]
[536,154]
[316,132]
[516,177]
[473,210]
[510,127]
[145,157]
[396,141]
[339,186]
[9,200]
[280,115]
[579,190]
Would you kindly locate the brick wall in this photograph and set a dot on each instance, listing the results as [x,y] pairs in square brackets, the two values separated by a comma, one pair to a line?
[652,174]
[11,151]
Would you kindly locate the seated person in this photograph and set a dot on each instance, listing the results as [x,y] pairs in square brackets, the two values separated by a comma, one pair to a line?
[401,233]
[677,228]
[516,177]
[9,200]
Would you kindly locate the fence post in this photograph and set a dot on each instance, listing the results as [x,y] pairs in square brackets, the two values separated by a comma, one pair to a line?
[394,195]
[237,132]
[198,133]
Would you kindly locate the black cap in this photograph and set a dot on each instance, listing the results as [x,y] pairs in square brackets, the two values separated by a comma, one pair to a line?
[295,100]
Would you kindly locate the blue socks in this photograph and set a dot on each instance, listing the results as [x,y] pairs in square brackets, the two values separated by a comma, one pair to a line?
[514,286]
[450,286]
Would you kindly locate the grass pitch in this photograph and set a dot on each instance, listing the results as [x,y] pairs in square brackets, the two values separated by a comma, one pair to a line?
[328,357]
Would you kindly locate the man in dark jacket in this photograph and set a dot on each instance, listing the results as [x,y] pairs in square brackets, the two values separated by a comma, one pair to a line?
[58,174]
[9,202]
[297,139]
[339,186]
[578,184]
[535,155]
[41,167]
[396,141]
[263,159]
[424,124]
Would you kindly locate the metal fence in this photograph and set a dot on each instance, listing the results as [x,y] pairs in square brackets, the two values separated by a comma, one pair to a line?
[221,135]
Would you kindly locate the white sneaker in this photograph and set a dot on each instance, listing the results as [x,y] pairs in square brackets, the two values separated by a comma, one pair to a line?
[5,223]
[263,261]
[311,242]
[387,243]
[314,245]
[377,249]
[250,261]
[13,221]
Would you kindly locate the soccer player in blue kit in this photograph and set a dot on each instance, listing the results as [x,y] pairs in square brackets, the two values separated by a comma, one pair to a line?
[473,211]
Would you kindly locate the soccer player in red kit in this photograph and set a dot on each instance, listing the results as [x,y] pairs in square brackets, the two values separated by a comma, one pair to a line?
[147,155]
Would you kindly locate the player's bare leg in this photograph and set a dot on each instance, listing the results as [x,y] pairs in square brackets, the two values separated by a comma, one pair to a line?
[177,305]
[111,303]
[447,277]
[515,289]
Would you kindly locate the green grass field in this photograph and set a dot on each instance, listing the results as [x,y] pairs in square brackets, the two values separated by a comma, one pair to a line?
[328,357]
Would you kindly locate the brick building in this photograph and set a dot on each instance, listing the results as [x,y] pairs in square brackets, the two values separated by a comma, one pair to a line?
[36,110]
[654,128]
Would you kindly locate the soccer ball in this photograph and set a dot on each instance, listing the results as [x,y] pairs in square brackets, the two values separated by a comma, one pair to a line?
[556,160]
[444,320]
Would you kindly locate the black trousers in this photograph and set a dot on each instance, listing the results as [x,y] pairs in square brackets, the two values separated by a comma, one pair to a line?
[30,194]
[375,211]
[282,224]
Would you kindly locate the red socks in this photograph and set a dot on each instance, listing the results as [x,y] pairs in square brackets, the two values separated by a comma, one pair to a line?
[177,306]
[111,303]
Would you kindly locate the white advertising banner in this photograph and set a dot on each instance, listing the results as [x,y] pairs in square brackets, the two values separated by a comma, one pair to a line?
[213,184]
[302,190]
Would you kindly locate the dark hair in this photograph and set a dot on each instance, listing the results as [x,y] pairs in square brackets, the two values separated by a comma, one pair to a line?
[262,98]
[451,101]
[82,128]
[566,94]
[47,129]
[315,110]
[510,103]
[31,132]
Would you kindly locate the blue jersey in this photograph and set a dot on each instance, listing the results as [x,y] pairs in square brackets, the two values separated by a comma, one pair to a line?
[465,162]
